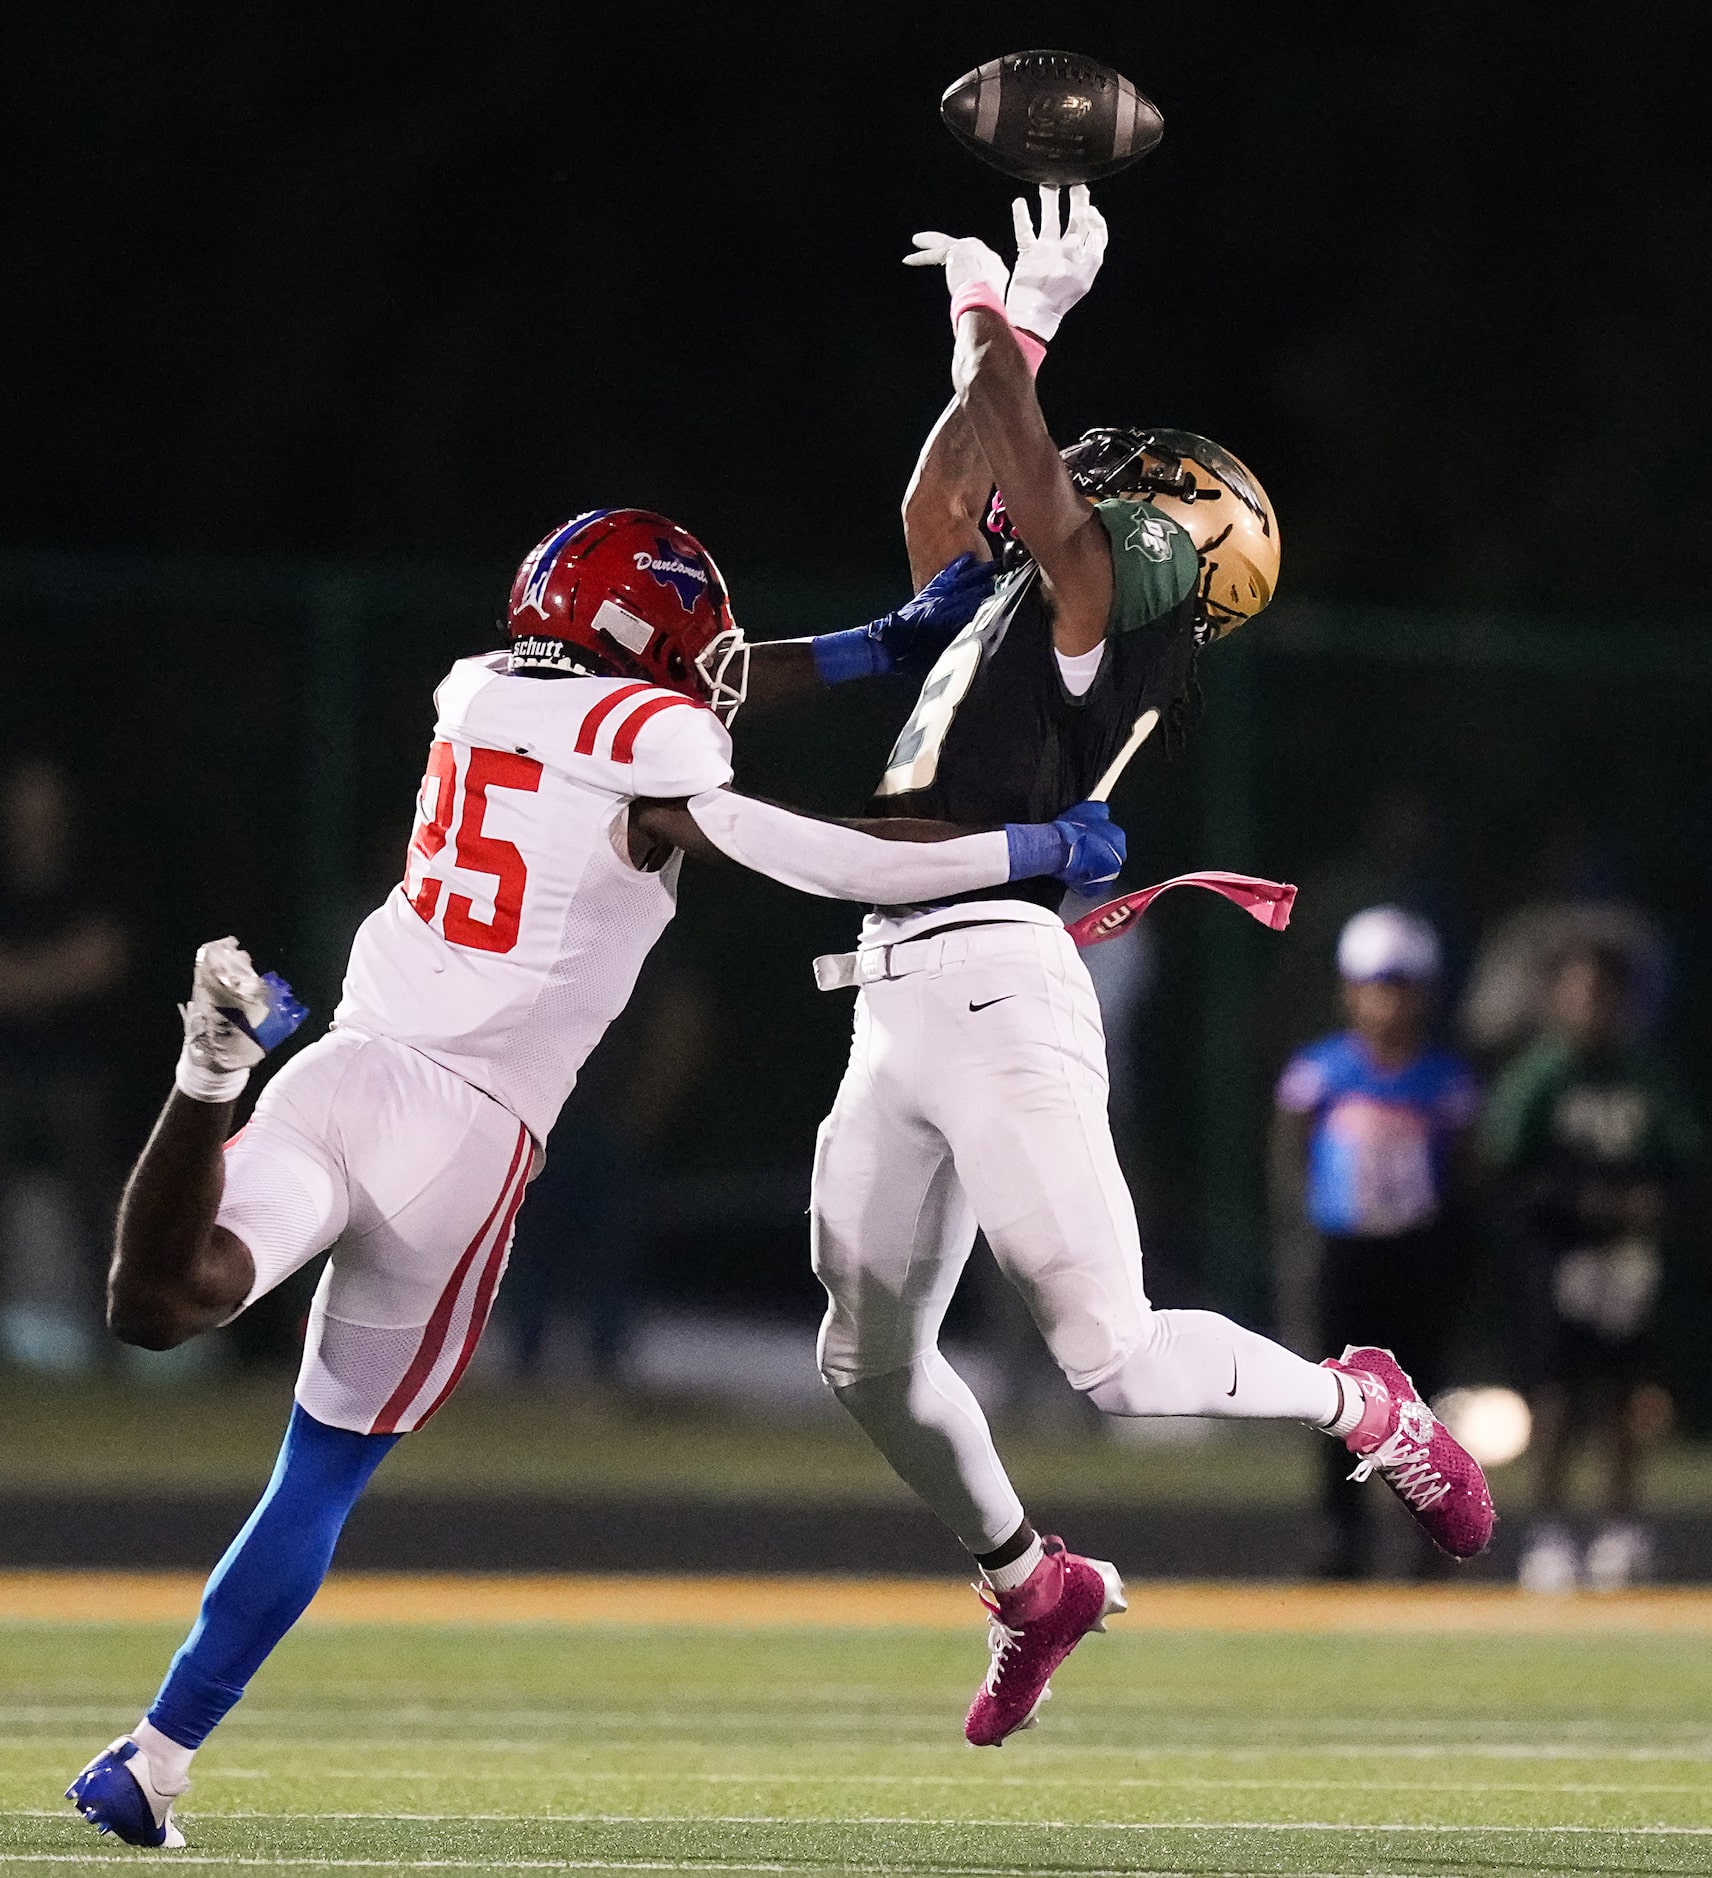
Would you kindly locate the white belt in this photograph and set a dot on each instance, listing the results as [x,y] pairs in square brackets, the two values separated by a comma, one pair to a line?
[900,958]
[1268,901]
[838,971]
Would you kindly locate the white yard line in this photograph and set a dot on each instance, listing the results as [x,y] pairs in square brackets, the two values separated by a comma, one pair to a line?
[252,1862]
[602,1864]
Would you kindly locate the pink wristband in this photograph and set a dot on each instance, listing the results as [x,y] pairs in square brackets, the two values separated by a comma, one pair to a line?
[979,294]
[976,294]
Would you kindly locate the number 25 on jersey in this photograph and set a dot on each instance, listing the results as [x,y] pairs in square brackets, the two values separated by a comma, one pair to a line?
[445,804]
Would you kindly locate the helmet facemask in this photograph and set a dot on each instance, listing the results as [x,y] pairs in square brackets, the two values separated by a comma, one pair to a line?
[725,694]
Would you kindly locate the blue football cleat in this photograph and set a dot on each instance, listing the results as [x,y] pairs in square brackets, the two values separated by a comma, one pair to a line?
[116,1793]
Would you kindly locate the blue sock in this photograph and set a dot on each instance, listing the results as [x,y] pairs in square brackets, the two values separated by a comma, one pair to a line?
[269,1574]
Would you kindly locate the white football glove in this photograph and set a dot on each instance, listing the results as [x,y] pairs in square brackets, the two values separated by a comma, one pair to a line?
[1053,270]
[966,261]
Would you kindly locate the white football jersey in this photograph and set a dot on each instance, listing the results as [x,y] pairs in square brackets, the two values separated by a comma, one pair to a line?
[517,933]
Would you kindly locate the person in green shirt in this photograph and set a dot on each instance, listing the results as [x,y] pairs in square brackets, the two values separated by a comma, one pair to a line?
[1593,1147]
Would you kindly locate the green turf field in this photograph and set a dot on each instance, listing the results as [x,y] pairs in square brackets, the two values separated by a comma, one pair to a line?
[520,1749]
[222,1436]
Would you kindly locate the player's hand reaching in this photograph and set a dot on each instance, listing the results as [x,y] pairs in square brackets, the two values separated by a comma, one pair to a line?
[1083,848]
[968,262]
[921,629]
[909,640]
[1096,846]
[1053,269]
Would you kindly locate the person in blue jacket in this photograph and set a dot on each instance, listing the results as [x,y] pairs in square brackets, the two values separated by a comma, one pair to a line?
[1374,1127]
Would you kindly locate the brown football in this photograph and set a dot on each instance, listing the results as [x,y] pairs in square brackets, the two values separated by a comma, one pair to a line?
[1051,117]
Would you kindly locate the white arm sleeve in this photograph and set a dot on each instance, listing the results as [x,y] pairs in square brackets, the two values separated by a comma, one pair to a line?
[843,863]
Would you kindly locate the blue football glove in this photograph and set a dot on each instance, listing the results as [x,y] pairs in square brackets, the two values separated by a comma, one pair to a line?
[1084,848]
[909,640]
[1097,846]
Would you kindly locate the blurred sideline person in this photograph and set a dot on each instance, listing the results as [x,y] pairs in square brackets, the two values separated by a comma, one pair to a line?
[1595,1146]
[976,1092]
[63,956]
[568,776]
[1371,1143]
[1400,856]
[1574,899]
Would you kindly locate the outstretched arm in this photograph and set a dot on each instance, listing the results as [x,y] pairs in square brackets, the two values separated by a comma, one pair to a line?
[784,671]
[994,379]
[947,497]
[889,863]
[1053,519]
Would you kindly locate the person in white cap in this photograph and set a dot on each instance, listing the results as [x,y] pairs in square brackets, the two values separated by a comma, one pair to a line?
[1372,1128]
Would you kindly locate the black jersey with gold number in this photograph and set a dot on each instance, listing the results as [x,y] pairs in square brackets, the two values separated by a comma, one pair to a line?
[996,736]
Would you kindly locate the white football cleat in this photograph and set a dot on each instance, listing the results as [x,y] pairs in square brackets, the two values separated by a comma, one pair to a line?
[235,1016]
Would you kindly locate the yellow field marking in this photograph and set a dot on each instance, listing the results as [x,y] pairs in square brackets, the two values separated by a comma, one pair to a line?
[863,1603]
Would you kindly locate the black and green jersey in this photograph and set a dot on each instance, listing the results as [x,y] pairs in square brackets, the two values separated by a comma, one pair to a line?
[1564,1124]
[995,736]
[1618,1115]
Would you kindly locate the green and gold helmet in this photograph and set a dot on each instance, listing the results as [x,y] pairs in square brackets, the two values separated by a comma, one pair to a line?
[1213,497]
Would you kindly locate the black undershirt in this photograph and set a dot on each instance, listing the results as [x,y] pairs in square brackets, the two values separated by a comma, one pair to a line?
[1020,747]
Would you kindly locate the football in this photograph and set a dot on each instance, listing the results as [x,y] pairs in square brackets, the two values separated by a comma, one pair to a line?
[1051,117]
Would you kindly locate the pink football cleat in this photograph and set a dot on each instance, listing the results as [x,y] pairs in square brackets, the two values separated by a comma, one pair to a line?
[1031,1630]
[1400,1439]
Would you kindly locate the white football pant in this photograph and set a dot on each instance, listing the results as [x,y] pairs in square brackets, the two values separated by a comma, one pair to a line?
[414,1178]
[976,1095]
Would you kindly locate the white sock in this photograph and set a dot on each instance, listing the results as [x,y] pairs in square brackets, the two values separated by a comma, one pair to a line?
[207,1085]
[1351,1406]
[1018,1571]
[169,1763]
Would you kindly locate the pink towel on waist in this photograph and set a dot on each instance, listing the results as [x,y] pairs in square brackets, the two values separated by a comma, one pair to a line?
[1268,901]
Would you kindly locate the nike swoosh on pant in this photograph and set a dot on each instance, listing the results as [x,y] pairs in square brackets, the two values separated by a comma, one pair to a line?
[991,1001]
[1232,1389]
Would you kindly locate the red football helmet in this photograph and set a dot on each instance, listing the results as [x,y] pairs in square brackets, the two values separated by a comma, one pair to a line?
[637,595]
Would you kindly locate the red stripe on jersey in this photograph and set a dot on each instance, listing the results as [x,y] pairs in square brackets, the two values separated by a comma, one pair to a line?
[624,744]
[601,712]
[484,1301]
[434,1333]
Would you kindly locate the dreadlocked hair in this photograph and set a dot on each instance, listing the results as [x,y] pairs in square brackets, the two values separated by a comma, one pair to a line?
[1178,681]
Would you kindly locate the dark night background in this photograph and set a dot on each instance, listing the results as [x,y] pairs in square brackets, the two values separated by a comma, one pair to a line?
[334,281]
[301,295]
